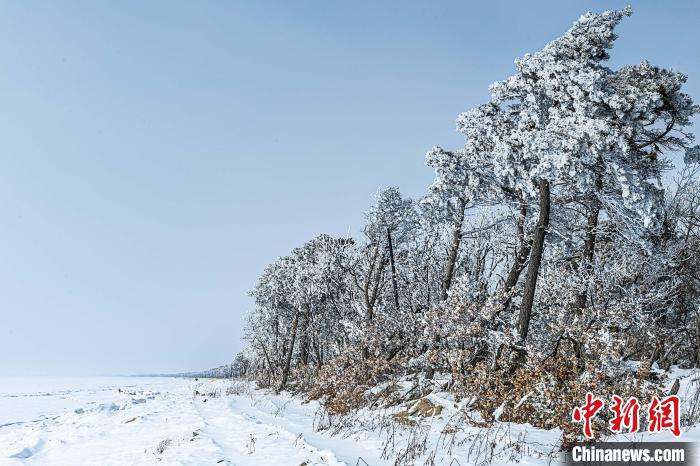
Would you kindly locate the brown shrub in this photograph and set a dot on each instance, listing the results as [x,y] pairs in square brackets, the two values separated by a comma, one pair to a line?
[342,384]
[544,393]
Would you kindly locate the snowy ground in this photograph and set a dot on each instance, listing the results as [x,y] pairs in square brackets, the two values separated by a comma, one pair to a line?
[178,421]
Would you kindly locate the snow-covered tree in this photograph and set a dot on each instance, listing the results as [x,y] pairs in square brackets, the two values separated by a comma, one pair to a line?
[561,176]
[582,131]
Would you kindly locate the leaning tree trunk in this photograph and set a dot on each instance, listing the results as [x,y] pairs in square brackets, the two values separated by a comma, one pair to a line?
[288,361]
[524,246]
[449,270]
[588,251]
[454,249]
[369,291]
[317,350]
[303,340]
[696,348]
[371,288]
[533,268]
[393,270]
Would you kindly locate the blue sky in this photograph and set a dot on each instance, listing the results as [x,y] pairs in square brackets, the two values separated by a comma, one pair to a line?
[157,155]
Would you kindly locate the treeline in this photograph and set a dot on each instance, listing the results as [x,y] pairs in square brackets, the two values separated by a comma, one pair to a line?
[238,368]
[554,247]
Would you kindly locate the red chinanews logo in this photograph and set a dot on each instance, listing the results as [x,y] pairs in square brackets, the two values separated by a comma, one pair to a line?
[661,414]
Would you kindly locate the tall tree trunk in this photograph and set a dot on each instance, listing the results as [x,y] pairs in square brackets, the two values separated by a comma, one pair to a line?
[449,269]
[317,349]
[524,246]
[393,270]
[288,361]
[533,268]
[371,295]
[303,340]
[588,251]
[454,248]
[696,347]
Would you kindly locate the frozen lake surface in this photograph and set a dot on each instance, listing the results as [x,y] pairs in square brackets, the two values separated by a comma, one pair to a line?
[126,421]
[24,399]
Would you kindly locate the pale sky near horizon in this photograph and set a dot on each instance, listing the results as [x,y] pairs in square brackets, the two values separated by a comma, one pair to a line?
[157,155]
